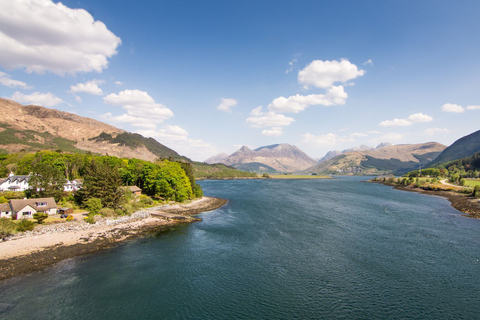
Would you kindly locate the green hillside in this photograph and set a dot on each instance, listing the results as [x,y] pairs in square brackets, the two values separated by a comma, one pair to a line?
[463,147]
[203,170]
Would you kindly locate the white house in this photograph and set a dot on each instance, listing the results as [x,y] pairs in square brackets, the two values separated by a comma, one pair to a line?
[24,209]
[20,183]
[5,211]
[15,183]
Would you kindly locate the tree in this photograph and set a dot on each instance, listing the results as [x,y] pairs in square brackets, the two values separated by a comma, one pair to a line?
[46,181]
[40,217]
[103,182]
[94,205]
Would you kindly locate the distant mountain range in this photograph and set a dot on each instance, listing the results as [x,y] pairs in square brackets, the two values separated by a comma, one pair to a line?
[32,128]
[274,158]
[384,159]
[332,154]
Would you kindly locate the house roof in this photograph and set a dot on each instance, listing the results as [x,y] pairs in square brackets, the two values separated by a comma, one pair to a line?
[18,178]
[134,188]
[5,207]
[18,205]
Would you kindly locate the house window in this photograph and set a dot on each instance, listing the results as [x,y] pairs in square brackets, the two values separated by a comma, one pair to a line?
[27,213]
[40,204]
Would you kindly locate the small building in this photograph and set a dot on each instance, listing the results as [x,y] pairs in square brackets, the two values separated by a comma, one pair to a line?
[24,209]
[135,190]
[73,185]
[65,210]
[5,211]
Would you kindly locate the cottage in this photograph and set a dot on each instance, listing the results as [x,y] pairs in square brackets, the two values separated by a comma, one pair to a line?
[24,209]
[15,183]
[73,185]
[5,210]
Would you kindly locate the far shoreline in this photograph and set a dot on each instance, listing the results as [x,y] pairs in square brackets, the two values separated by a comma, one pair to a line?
[469,206]
[36,252]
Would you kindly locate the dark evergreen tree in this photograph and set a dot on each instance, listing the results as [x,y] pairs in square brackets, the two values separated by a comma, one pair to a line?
[46,181]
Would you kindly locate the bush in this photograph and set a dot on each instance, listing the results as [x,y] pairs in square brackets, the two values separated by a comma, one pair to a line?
[94,205]
[107,212]
[69,217]
[476,191]
[25,225]
[89,219]
[40,217]
[7,227]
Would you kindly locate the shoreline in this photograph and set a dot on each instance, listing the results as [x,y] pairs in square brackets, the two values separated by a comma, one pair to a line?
[33,251]
[469,206]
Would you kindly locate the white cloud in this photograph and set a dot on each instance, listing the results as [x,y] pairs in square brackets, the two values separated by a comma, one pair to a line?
[6,81]
[227,105]
[369,62]
[142,110]
[37,98]
[292,63]
[90,87]
[273,132]
[323,74]
[413,118]
[420,117]
[473,108]
[335,96]
[433,131]
[40,36]
[178,138]
[450,107]
[118,83]
[329,139]
[259,119]
[395,123]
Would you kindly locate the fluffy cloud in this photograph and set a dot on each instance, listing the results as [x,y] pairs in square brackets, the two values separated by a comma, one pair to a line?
[37,98]
[227,105]
[334,96]
[259,119]
[433,131]
[473,108]
[323,74]
[273,132]
[40,35]
[450,107]
[90,87]
[6,81]
[177,138]
[142,110]
[329,139]
[420,117]
[395,123]
[369,62]
[413,118]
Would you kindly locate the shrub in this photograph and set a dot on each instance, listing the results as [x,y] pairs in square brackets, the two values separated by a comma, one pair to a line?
[25,225]
[69,217]
[7,227]
[107,212]
[476,191]
[40,217]
[89,219]
[94,205]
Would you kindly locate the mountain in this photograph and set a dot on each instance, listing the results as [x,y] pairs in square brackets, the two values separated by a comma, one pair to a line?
[216,159]
[277,157]
[463,147]
[332,154]
[396,159]
[33,128]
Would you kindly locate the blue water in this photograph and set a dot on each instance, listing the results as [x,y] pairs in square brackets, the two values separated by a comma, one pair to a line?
[280,249]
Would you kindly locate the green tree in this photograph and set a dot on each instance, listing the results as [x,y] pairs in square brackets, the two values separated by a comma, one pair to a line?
[46,181]
[93,205]
[40,217]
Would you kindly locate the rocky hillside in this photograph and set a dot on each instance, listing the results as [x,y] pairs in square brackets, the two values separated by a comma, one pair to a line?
[396,159]
[278,157]
[34,128]
[216,159]
[332,154]
[463,147]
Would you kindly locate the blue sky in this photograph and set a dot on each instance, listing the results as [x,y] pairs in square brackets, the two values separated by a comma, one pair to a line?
[205,77]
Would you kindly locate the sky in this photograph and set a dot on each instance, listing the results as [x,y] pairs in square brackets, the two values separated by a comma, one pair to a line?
[204,77]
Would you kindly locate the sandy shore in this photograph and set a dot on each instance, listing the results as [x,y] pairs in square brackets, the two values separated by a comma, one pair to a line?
[50,244]
[462,202]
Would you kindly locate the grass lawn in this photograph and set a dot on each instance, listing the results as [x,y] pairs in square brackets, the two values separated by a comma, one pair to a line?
[296,176]
[472,183]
